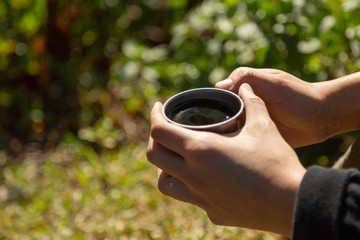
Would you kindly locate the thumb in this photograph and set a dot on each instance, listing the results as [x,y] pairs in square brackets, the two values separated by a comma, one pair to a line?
[254,106]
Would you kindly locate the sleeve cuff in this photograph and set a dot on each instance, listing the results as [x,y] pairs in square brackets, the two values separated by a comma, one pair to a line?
[318,204]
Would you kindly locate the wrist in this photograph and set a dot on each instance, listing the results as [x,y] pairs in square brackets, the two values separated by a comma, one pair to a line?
[292,193]
[341,104]
[283,199]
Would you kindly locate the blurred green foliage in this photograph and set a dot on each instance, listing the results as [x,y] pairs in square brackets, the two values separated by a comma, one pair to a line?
[77,194]
[85,74]
[84,66]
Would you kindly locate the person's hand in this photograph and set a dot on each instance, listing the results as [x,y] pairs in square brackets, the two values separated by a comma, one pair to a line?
[297,107]
[248,178]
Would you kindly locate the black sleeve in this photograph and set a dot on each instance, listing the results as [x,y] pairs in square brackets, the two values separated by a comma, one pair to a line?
[328,205]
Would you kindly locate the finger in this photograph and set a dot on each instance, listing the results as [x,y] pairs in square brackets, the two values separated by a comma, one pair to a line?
[165,159]
[173,187]
[168,135]
[236,78]
[247,75]
[224,84]
[254,106]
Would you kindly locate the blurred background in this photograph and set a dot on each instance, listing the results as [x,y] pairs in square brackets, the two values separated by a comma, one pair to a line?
[78,80]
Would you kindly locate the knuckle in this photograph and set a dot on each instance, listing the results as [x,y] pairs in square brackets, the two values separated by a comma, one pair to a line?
[197,146]
[244,73]
[156,130]
[256,100]
[150,154]
[267,123]
[264,123]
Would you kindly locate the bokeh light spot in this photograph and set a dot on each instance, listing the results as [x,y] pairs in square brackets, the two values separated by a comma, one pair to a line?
[89,38]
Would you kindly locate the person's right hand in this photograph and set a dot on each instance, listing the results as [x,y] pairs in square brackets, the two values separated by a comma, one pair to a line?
[247,178]
[297,107]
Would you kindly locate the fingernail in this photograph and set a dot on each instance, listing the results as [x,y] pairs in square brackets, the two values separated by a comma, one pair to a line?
[227,83]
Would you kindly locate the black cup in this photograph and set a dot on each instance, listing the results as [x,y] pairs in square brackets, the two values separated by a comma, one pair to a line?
[207,109]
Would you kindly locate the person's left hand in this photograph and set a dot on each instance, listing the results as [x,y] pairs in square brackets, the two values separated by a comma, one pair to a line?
[248,178]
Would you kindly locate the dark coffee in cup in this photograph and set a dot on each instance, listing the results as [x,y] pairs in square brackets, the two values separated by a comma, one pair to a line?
[202,112]
[208,109]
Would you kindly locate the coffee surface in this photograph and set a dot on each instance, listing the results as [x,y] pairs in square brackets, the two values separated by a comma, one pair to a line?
[196,116]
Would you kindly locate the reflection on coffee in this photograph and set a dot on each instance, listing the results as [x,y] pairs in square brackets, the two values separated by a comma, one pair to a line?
[200,116]
[204,112]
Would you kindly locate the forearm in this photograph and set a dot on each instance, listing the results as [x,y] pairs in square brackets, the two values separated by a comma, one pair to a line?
[341,98]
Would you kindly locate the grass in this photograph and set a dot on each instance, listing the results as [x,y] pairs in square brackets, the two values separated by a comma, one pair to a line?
[76,193]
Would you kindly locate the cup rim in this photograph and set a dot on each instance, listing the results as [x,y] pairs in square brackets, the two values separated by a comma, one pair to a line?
[208,126]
